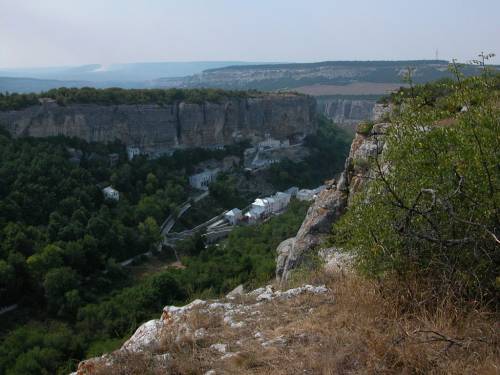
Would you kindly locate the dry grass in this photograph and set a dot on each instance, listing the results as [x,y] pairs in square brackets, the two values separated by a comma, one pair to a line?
[360,327]
[371,331]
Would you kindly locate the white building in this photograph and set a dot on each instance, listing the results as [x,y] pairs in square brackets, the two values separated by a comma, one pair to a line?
[132,152]
[273,204]
[282,201]
[233,216]
[269,144]
[46,100]
[203,179]
[292,191]
[272,144]
[262,205]
[255,214]
[305,195]
[110,193]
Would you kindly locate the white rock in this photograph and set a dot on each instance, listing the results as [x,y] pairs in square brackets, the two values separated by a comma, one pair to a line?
[222,348]
[257,291]
[336,259]
[200,333]
[174,312]
[238,291]
[146,337]
[210,372]
[267,295]
[306,288]
[163,358]
[216,305]
[237,325]
[259,336]
[280,340]
[228,355]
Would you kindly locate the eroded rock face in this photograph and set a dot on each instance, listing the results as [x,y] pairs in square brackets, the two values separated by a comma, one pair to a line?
[346,111]
[333,201]
[156,128]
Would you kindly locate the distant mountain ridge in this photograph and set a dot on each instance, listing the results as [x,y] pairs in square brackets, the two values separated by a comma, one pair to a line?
[302,77]
[135,72]
[357,63]
[346,90]
[295,76]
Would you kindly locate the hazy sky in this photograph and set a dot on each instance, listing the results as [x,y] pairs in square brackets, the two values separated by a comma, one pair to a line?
[73,32]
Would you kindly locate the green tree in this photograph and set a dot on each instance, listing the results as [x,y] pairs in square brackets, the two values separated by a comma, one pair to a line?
[150,233]
[51,256]
[432,212]
[61,286]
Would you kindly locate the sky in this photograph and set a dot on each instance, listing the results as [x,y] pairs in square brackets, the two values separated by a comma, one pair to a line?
[36,33]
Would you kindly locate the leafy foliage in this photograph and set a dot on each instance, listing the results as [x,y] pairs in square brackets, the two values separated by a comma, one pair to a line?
[364,127]
[247,256]
[433,212]
[115,96]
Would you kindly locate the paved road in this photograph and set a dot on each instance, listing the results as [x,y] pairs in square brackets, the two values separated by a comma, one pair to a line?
[6,309]
[168,224]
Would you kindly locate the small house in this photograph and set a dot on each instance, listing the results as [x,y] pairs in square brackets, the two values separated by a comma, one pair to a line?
[132,152]
[255,214]
[292,191]
[233,216]
[113,159]
[282,200]
[203,179]
[110,193]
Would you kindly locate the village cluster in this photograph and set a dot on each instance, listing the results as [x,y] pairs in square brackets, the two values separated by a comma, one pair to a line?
[263,208]
[257,157]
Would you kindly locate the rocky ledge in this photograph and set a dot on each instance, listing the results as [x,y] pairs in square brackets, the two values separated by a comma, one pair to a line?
[218,331]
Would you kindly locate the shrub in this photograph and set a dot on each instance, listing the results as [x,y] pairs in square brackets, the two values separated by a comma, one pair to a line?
[364,127]
[436,213]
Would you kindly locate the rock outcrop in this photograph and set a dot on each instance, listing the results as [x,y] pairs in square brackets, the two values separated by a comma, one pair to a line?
[221,330]
[155,129]
[332,202]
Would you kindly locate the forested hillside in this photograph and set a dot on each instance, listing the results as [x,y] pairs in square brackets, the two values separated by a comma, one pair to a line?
[61,242]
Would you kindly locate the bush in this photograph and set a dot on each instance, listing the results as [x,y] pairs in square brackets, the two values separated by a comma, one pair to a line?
[364,127]
[436,213]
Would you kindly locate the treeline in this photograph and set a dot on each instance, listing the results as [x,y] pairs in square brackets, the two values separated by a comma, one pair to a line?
[56,346]
[436,94]
[114,96]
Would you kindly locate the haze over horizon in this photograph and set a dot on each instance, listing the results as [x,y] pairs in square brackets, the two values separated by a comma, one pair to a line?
[61,33]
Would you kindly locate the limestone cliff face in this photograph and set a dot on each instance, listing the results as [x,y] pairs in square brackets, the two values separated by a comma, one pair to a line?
[347,112]
[160,128]
[333,201]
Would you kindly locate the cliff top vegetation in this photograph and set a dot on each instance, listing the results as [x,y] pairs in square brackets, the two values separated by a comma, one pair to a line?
[116,96]
[430,215]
